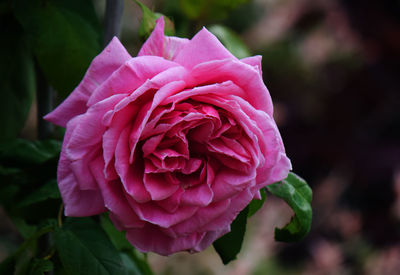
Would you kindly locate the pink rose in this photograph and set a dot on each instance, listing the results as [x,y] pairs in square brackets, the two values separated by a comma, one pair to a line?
[173,143]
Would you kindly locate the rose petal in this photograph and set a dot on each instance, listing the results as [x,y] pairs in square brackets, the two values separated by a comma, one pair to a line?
[202,217]
[199,195]
[151,238]
[244,76]
[229,182]
[131,75]
[77,202]
[160,45]
[158,187]
[108,61]
[154,214]
[173,202]
[89,129]
[131,175]
[237,204]
[114,200]
[254,61]
[203,47]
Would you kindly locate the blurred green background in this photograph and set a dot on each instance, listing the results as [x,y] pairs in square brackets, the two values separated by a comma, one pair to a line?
[332,68]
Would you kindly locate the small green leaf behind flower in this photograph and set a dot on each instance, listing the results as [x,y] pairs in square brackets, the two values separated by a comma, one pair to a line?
[229,245]
[148,22]
[256,204]
[298,195]
[231,40]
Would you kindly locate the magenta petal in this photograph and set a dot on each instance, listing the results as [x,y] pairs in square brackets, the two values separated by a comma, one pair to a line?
[108,61]
[244,76]
[151,238]
[199,195]
[203,216]
[89,129]
[77,202]
[160,45]
[203,47]
[130,175]
[131,75]
[172,203]
[209,238]
[254,61]
[238,203]
[155,214]
[114,200]
[158,187]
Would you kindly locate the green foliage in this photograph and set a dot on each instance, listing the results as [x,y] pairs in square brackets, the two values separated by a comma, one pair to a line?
[230,40]
[62,37]
[148,22]
[65,36]
[132,259]
[84,248]
[17,83]
[200,9]
[255,204]
[40,266]
[229,245]
[29,152]
[295,191]
[24,260]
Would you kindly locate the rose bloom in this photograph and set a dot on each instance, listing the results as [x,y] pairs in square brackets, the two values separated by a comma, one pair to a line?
[174,143]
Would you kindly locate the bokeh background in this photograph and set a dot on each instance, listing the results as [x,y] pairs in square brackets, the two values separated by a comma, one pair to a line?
[332,68]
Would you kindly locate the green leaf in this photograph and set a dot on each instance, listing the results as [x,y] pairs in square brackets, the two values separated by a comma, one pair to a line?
[129,265]
[255,204]
[84,248]
[117,237]
[295,191]
[230,40]
[18,263]
[148,22]
[229,245]
[132,259]
[65,36]
[30,152]
[25,229]
[17,85]
[7,266]
[40,266]
[47,191]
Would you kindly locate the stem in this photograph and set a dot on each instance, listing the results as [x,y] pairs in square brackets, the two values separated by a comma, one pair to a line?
[112,20]
[44,97]
[60,214]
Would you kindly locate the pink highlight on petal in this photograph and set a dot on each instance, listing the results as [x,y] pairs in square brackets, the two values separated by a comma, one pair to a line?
[244,76]
[203,47]
[254,61]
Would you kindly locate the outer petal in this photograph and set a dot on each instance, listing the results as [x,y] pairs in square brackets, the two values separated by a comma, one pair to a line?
[241,74]
[160,45]
[114,199]
[108,61]
[151,238]
[130,76]
[203,47]
[254,61]
[78,202]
